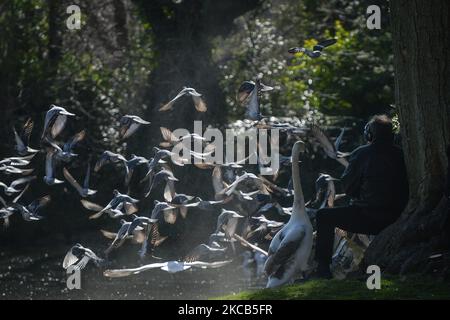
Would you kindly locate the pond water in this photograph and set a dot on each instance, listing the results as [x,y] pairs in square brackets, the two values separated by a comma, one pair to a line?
[36,273]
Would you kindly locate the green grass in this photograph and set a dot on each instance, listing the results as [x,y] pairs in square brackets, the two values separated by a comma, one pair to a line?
[393,288]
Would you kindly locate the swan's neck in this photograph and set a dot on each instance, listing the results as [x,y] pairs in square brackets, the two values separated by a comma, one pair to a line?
[298,210]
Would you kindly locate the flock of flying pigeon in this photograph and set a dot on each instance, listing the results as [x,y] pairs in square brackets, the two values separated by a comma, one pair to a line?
[250,219]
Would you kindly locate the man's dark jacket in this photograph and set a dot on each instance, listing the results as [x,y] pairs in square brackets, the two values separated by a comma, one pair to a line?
[376,178]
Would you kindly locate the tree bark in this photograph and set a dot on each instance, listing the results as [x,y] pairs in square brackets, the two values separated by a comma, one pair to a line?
[182,34]
[421,45]
[120,19]
[182,41]
[54,36]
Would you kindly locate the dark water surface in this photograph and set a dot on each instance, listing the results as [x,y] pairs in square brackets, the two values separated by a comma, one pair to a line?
[36,273]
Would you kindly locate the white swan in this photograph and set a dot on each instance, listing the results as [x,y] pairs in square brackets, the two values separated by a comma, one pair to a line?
[291,247]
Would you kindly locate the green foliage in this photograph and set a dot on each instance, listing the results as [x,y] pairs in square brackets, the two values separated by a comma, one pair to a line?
[92,73]
[23,41]
[414,287]
[349,78]
[353,77]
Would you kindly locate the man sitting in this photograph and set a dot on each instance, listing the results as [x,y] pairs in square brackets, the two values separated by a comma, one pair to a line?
[376,181]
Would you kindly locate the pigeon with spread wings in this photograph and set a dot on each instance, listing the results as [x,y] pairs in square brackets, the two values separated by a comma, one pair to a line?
[11,189]
[129,124]
[167,176]
[199,103]
[108,157]
[23,139]
[171,140]
[84,190]
[50,167]
[55,121]
[118,202]
[316,52]
[328,147]
[126,229]
[28,212]
[170,266]
[247,87]
[79,256]
[17,161]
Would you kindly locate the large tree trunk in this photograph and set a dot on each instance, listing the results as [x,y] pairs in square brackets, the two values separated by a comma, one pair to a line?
[182,34]
[182,40]
[422,67]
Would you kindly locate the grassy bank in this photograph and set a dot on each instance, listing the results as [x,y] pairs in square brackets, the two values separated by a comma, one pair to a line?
[393,288]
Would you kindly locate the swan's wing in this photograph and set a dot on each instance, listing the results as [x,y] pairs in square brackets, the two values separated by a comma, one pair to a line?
[91,206]
[72,181]
[199,103]
[285,251]
[117,273]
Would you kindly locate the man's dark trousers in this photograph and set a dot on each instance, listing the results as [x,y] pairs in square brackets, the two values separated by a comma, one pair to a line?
[350,218]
